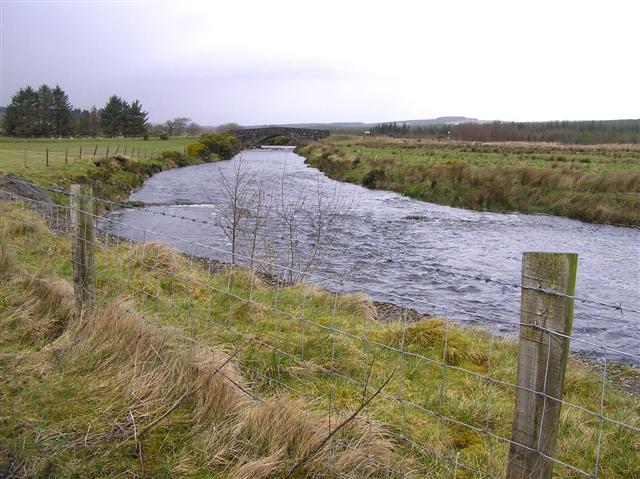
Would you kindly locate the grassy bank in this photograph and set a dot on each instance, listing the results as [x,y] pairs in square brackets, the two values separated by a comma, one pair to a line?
[74,393]
[592,183]
[110,179]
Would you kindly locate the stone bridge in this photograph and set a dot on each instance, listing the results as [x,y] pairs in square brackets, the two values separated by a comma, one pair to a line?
[253,137]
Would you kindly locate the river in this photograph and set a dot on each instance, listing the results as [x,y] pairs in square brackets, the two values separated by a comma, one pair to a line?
[436,259]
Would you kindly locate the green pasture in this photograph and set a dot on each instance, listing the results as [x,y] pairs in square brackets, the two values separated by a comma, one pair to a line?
[48,161]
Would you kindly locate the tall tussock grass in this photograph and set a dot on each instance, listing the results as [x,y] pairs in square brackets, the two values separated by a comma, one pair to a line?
[494,177]
[147,379]
[172,376]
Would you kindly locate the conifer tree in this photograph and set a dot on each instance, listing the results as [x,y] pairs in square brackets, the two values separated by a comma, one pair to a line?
[60,112]
[21,114]
[44,126]
[136,120]
[113,117]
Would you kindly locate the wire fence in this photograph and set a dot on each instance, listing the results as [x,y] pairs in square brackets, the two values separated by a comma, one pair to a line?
[449,398]
[66,155]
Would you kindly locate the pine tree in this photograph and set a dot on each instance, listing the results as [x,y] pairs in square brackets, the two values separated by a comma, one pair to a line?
[44,124]
[113,117]
[21,114]
[136,120]
[60,112]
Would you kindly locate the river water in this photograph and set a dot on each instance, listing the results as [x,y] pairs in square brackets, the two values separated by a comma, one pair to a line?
[435,259]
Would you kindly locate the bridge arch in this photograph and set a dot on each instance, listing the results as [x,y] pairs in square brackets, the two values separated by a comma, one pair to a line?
[254,137]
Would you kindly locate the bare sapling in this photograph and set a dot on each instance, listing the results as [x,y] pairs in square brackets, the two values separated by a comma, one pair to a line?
[258,217]
[286,233]
[310,223]
[237,189]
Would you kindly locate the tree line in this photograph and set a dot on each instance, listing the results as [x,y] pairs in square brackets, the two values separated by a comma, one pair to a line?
[577,132]
[47,112]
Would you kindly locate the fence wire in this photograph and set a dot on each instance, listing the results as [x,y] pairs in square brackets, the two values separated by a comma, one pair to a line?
[454,406]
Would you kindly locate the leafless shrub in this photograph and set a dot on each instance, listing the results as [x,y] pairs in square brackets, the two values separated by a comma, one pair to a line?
[265,228]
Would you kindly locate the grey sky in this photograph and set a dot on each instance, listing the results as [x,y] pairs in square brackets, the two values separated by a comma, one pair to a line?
[296,61]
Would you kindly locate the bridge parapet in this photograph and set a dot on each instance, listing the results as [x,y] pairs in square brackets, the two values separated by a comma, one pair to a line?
[253,137]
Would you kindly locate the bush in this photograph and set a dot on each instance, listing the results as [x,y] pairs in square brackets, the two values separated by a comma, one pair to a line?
[164,136]
[371,178]
[113,162]
[224,145]
[198,150]
[280,140]
[145,137]
[177,158]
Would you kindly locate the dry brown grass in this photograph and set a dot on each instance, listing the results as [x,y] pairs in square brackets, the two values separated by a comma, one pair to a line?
[359,304]
[435,333]
[6,261]
[592,183]
[152,255]
[44,308]
[19,222]
[163,381]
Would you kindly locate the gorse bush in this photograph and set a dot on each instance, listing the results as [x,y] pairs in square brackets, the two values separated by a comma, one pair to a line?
[225,145]
[198,150]
[279,140]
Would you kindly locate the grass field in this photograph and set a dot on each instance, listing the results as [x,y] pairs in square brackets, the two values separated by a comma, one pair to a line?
[594,183]
[28,158]
[72,391]
[110,179]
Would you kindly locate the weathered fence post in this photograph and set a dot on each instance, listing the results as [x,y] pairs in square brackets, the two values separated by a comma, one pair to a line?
[46,157]
[83,247]
[106,155]
[94,152]
[80,155]
[66,155]
[546,320]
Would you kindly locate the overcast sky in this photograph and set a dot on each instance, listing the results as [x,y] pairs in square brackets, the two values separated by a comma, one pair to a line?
[302,61]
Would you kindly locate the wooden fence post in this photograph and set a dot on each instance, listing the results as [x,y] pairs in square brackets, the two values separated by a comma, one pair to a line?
[542,359]
[80,155]
[94,152]
[83,247]
[66,155]
[46,157]
[106,155]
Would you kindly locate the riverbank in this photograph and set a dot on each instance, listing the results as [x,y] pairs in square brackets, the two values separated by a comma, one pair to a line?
[118,167]
[599,184]
[68,414]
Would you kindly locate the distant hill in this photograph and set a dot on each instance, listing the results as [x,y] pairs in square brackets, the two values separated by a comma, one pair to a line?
[356,125]
[442,120]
